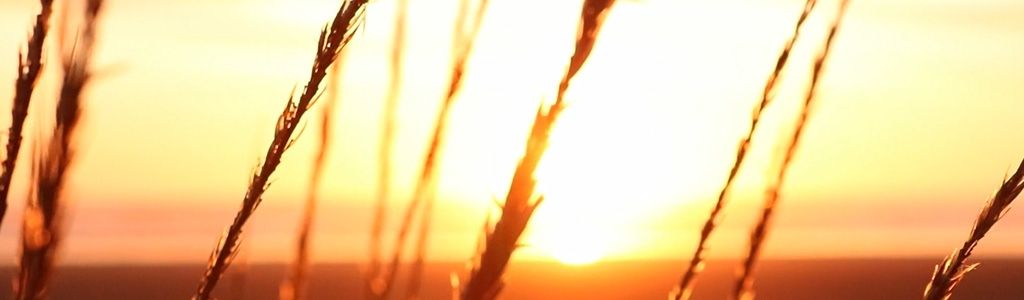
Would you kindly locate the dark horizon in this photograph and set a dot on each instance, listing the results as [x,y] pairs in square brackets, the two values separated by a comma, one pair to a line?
[795,279]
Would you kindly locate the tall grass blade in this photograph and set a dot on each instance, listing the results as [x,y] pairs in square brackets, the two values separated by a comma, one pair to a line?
[296,285]
[696,264]
[333,39]
[375,287]
[466,30]
[30,66]
[744,288]
[485,280]
[463,46]
[42,232]
[954,267]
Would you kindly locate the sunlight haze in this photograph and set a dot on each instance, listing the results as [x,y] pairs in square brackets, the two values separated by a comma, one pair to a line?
[912,131]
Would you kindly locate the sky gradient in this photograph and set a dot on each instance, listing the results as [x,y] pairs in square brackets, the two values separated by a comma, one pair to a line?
[914,128]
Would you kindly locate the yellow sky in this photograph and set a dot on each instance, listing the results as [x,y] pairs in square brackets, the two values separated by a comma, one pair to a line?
[914,127]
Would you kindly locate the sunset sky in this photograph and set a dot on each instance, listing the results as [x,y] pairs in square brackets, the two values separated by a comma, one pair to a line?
[916,124]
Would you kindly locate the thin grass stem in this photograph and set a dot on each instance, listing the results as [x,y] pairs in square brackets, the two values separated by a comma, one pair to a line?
[333,39]
[744,287]
[696,264]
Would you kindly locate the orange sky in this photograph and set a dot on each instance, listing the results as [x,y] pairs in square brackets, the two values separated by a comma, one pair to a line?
[912,132]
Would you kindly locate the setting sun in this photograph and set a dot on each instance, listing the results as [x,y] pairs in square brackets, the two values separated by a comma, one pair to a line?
[571,243]
[606,170]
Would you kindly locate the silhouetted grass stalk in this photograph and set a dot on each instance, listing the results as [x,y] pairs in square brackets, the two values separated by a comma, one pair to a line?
[30,65]
[696,264]
[954,267]
[744,287]
[41,232]
[485,280]
[375,285]
[333,39]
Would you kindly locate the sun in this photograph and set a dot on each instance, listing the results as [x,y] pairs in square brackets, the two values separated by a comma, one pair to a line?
[570,245]
[602,180]
[576,256]
[626,154]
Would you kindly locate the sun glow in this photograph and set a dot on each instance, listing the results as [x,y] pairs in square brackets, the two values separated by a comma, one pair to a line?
[620,156]
[607,171]
[576,245]
[624,160]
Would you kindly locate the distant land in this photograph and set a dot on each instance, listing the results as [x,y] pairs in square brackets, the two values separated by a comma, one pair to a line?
[778,279]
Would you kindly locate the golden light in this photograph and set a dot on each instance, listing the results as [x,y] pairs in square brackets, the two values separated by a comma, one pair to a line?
[629,149]
[608,169]
[572,244]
